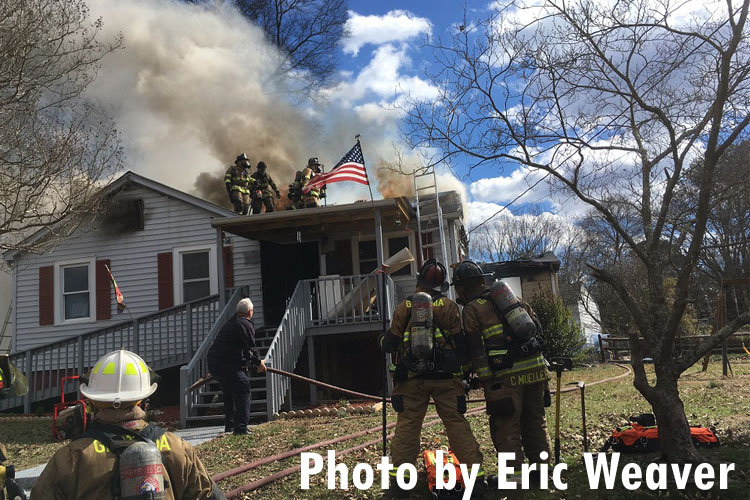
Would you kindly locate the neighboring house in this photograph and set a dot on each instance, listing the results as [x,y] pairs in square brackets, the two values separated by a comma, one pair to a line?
[311,274]
[527,277]
[585,312]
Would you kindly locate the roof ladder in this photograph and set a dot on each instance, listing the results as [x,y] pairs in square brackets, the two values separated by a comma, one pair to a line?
[429,214]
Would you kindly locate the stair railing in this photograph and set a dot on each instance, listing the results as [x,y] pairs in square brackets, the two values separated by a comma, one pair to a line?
[198,366]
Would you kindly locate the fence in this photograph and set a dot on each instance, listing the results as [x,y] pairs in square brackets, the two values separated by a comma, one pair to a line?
[163,339]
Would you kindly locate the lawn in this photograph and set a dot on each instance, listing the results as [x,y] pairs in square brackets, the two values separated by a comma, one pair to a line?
[709,399]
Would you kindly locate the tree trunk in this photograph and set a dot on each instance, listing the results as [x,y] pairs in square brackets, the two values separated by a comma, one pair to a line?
[674,430]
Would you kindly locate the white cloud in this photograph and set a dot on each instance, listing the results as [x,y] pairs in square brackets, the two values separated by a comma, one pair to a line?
[394,26]
[382,78]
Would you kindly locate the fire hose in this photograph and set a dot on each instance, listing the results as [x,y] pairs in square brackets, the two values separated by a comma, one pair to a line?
[362,395]
[432,420]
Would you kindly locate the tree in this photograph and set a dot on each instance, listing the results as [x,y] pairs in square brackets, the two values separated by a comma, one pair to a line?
[563,337]
[512,237]
[306,31]
[55,147]
[611,102]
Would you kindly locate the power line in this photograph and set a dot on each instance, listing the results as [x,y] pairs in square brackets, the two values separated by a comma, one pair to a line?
[485,221]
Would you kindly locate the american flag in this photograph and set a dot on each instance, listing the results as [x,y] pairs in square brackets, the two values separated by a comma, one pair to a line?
[118,294]
[350,168]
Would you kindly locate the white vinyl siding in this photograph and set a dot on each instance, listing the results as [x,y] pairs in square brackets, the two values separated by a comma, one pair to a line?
[194,273]
[169,224]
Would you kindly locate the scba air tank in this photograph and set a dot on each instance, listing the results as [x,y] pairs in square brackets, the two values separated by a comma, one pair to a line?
[515,314]
[142,473]
[421,326]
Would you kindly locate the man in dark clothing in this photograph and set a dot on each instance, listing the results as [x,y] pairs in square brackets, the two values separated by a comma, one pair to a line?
[261,187]
[233,346]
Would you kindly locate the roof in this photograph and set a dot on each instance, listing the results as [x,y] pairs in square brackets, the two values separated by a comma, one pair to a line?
[130,177]
[547,260]
[283,225]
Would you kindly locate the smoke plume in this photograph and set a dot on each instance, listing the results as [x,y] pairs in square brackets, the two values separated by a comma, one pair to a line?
[194,86]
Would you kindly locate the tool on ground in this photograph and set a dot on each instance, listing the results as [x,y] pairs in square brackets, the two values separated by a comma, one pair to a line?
[430,464]
[558,365]
[9,489]
[641,435]
[69,418]
[582,385]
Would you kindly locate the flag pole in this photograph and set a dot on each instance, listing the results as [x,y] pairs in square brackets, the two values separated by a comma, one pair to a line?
[383,305]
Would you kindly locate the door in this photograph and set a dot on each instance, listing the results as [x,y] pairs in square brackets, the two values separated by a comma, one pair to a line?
[282,266]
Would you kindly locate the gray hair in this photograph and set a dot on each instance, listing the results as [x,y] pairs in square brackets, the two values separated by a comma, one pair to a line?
[244,306]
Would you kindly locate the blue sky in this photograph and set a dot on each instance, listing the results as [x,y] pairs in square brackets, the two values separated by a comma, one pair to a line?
[386,40]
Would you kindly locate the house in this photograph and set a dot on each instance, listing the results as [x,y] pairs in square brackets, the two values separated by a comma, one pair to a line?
[182,264]
[529,276]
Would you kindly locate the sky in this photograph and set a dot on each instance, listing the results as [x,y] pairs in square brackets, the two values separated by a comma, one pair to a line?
[386,39]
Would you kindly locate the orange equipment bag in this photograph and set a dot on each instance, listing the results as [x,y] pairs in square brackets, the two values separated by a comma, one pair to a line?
[430,463]
[637,438]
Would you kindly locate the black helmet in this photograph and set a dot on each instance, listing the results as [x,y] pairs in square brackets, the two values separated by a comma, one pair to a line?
[261,165]
[313,161]
[241,158]
[433,275]
[465,270]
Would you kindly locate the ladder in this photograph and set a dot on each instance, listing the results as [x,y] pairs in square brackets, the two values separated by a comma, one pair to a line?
[5,349]
[429,215]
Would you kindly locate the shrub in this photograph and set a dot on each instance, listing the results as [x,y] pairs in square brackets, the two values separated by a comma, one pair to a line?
[563,337]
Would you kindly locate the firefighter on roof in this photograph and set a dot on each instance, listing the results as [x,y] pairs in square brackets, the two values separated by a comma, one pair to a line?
[261,186]
[120,455]
[428,344]
[512,369]
[237,182]
[310,199]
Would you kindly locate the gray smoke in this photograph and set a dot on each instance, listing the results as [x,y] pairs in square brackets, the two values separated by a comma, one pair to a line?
[194,86]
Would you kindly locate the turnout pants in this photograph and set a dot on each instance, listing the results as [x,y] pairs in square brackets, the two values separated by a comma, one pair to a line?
[240,202]
[410,399]
[259,202]
[517,422]
[236,388]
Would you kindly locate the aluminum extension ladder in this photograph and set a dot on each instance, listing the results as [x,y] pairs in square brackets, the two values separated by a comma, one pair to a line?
[429,215]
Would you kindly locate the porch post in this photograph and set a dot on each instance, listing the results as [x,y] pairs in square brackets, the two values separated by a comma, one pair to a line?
[311,367]
[220,267]
[379,237]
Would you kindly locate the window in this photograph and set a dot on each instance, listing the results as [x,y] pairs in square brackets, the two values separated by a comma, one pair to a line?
[196,276]
[74,297]
[368,257]
[395,245]
[76,293]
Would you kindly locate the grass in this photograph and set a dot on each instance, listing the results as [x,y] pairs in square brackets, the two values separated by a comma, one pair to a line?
[710,400]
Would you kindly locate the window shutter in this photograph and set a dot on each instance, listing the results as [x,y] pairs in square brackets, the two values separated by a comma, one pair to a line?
[165,280]
[228,258]
[103,291]
[46,295]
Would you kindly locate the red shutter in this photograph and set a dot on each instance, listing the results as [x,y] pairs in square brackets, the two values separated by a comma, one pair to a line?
[165,280]
[103,291]
[46,295]
[228,258]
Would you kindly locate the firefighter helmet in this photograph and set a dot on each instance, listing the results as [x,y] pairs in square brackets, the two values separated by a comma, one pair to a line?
[433,275]
[261,165]
[313,161]
[242,158]
[119,377]
[466,270]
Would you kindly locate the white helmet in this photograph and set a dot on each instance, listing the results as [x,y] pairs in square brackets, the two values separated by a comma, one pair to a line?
[119,377]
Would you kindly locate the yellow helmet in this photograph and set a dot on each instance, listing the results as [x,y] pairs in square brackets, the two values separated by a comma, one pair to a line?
[119,377]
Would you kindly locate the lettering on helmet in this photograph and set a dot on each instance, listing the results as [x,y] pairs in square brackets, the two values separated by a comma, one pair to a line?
[408,303]
[482,301]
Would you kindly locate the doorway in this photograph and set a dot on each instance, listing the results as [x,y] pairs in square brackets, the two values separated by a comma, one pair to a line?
[282,266]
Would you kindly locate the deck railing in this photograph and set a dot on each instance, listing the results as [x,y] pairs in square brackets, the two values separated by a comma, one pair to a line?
[165,338]
[315,303]
[197,366]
